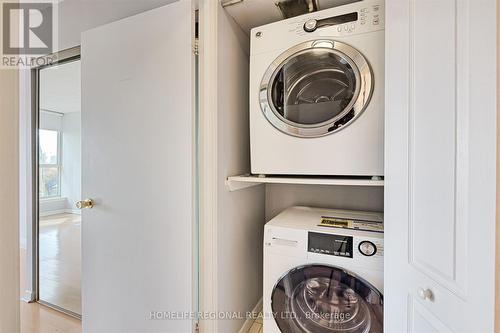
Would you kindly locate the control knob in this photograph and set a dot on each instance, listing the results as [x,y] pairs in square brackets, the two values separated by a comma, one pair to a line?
[310,25]
[367,248]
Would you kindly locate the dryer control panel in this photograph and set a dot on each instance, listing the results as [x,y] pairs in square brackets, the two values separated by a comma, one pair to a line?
[340,21]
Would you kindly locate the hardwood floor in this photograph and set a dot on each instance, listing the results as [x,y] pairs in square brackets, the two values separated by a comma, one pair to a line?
[257,325]
[60,261]
[37,318]
[60,269]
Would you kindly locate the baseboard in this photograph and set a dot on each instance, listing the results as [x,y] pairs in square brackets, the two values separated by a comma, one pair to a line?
[52,212]
[74,211]
[28,296]
[60,211]
[248,323]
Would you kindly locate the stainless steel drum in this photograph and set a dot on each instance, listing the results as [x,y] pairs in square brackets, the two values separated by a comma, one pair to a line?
[326,299]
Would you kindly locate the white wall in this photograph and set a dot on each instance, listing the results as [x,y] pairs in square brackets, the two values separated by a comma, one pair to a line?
[281,196]
[241,213]
[50,121]
[25,171]
[71,179]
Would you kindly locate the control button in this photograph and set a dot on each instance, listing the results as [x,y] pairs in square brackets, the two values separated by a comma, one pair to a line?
[363,10]
[363,22]
[376,21]
[367,248]
[346,27]
[310,25]
[339,28]
[376,8]
[353,26]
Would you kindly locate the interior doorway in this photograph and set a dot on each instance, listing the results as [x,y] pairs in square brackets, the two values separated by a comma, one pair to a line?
[58,183]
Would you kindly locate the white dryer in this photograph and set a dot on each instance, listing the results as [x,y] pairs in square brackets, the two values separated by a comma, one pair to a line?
[320,279]
[317,93]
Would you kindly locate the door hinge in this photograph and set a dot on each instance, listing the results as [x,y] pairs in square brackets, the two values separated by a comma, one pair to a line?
[196,48]
[197,327]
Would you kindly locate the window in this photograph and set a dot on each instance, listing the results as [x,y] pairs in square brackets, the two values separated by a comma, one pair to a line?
[49,163]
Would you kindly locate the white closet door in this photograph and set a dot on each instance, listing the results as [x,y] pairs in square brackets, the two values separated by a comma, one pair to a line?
[137,137]
[440,165]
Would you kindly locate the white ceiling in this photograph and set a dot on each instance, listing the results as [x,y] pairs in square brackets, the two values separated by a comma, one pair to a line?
[77,16]
[60,88]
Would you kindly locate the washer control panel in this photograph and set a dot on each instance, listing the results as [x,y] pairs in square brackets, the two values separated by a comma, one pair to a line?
[331,244]
[346,246]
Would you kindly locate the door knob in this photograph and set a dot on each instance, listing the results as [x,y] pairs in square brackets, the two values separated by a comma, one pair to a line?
[425,294]
[85,204]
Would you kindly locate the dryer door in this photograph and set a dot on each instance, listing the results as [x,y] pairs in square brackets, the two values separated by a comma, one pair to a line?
[316,88]
[321,299]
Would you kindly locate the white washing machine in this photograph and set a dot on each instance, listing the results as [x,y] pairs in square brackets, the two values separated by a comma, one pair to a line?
[320,279]
[317,93]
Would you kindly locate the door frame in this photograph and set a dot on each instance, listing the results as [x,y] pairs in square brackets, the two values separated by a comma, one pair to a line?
[208,166]
[57,58]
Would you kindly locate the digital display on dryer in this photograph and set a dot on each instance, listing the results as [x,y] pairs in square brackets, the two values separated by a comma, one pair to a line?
[340,19]
[335,245]
[312,24]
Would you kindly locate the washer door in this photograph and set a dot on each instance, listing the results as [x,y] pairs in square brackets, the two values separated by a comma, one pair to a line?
[320,299]
[316,88]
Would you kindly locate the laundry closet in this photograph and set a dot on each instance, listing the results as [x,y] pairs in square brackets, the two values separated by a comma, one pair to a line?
[418,58]
[364,134]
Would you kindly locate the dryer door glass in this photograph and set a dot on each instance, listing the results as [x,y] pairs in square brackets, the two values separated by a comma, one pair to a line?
[314,86]
[321,299]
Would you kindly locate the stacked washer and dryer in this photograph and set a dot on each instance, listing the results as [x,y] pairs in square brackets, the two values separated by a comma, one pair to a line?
[317,109]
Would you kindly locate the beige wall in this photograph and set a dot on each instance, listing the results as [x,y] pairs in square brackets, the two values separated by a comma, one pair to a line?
[497,277]
[9,200]
[9,224]
[497,294]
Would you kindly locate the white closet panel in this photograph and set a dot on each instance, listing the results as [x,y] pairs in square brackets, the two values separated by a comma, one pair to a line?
[440,165]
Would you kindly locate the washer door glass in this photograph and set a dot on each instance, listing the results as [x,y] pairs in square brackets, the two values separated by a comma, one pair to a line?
[319,298]
[316,88]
